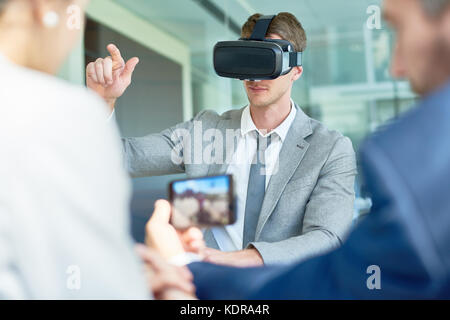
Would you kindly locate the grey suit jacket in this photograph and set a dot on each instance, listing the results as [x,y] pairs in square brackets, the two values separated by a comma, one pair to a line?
[308,205]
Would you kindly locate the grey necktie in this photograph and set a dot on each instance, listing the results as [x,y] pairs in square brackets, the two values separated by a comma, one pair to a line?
[255,190]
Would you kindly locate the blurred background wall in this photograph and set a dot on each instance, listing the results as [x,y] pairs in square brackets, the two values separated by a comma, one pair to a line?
[346,82]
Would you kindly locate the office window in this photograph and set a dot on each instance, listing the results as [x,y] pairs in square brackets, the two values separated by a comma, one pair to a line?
[151,104]
[346,82]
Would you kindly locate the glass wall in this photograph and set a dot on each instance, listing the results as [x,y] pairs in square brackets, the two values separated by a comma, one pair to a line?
[346,83]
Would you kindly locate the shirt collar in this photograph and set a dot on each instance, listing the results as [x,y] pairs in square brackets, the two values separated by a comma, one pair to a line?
[247,124]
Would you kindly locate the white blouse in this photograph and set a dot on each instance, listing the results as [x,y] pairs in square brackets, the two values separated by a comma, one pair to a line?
[64,194]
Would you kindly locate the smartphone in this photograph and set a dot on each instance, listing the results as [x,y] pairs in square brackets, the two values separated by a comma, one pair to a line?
[202,202]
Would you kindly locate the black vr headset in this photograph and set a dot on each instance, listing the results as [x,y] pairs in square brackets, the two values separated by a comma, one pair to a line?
[256,58]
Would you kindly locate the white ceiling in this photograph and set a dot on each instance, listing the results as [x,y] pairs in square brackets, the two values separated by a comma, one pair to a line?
[188,21]
[197,28]
[313,14]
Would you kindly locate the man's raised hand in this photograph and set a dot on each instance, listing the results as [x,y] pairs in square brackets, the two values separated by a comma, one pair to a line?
[111,76]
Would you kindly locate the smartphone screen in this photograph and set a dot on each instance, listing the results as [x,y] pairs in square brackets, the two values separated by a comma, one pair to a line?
[202,202]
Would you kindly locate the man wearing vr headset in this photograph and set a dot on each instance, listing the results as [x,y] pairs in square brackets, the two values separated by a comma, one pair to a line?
[303,206]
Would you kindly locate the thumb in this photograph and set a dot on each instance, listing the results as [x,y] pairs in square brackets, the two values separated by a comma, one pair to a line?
[129,67]
[192,234]
[161,215]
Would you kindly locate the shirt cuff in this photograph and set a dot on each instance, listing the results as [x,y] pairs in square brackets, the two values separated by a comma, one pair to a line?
[184,259]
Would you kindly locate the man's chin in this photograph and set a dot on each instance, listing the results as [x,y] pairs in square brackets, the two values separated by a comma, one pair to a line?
[422,89]
[258,102]
[418,88]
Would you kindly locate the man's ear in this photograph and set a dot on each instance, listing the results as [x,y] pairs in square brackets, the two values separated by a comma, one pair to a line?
[298,71]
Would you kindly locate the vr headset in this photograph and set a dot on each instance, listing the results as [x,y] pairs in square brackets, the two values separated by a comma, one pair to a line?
[256,58]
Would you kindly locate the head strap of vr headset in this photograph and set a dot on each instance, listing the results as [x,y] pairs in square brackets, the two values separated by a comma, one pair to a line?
[261,28]
[259,34]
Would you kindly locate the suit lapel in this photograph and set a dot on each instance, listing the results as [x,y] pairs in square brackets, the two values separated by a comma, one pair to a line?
[234,123]
[291,154]
[210,240]
[231,123]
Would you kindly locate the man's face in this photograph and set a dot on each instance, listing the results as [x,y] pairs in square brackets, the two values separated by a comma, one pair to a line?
[268,92]
[422,47]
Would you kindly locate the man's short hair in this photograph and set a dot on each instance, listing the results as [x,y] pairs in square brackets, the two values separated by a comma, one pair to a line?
[284,24]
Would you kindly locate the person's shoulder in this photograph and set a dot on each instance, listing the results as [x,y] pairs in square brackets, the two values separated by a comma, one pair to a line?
[47,95]
[77,99]
[38,104]
[214,115]
[211,118]
[232,113]
[321,130]
[329,138]
[412,133]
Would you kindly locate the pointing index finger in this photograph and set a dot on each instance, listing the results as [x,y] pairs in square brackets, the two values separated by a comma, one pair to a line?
[116,56]
[114,51]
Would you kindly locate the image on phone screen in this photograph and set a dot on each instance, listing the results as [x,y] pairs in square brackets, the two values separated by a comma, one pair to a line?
[202,202]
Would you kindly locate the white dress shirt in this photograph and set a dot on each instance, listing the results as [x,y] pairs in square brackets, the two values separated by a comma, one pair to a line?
[229,238]
[64,194]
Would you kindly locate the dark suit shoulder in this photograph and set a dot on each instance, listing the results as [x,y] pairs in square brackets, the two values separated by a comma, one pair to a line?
[410,160]
[419,135]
